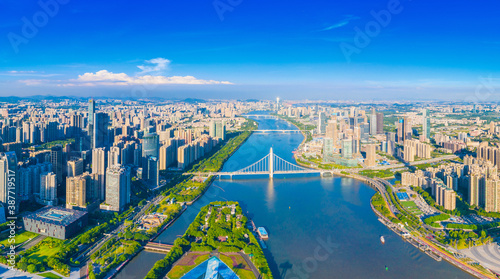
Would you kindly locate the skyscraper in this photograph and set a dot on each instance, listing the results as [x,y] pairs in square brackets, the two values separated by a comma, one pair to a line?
[8,177]
[56,158]
[90,130]
[380,123]
[114,156]
[373,122]
[404,130]
[347,149]
[331,130]
[212,130]
[81,190]
[426,125]
[321,123]
[150,145]
[153,171]
[117,188]
[99,168]
[370,155]
[101,123]
[75,167]
[48,188]
[220,130]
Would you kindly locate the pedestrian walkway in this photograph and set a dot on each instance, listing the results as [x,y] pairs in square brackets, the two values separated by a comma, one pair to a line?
[488,255]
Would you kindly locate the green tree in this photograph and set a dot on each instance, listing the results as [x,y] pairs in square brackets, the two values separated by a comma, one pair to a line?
[32,268]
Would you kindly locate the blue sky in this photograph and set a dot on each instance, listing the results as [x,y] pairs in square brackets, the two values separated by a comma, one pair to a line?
[250,48]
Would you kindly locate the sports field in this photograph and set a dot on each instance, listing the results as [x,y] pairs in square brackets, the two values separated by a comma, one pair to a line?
[411,207]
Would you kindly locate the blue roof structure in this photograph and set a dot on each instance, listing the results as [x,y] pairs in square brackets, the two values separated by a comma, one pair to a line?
[402,196]
[212,268]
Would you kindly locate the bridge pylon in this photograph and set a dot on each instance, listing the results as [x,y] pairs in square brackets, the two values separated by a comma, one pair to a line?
[271,164]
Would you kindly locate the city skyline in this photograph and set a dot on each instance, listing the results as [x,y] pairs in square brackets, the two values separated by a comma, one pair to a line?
[249,139]
[213,49]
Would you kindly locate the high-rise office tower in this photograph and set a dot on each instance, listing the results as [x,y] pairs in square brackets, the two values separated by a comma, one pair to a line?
[277,103]
[426,125]
[321,123]
[8,178]
[150,145]
[101,123]
[220,130]
[99,168]
[373,122]
[212,131]
[150,155]
[90,129]
[153,171]
[75,167]
[217,129]
[57,160]
[328,147]
[380,123]
[370,155]
[331,130]
[117,188]
[48,188]
[408,130]
[347,148]
[404,130]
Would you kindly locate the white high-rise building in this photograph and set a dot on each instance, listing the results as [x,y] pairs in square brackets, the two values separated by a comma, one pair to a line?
[48,187]
[8,177]
[99,167]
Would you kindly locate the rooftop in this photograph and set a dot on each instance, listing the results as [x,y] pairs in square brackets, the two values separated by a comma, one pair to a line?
[56,215]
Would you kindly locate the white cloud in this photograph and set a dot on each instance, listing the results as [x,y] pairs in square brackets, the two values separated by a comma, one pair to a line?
[26,73]
[104,77]
[160,64]
[339,24]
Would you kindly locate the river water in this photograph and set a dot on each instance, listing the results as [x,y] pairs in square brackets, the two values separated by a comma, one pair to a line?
[318,227]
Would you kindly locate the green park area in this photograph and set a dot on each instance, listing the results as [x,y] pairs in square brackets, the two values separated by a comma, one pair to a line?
[377,173]
[411,207]
[219,226]
[50,275]
[45,249]
[188,189]
[238,265]
[19,238]
[188,262]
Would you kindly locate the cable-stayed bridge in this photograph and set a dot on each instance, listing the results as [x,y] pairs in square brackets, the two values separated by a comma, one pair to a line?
[270,164]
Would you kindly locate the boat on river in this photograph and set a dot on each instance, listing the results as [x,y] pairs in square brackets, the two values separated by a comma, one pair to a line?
[262,233]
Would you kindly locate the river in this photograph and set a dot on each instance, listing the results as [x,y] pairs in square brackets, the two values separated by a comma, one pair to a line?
[318,227]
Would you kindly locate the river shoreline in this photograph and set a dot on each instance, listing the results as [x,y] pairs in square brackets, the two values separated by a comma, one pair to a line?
[434,253]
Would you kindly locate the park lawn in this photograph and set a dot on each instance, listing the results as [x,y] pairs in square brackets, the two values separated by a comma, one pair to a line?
[20,238]
[180,270]
[50,275]
[411,207]
[242,273]
[43,252]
